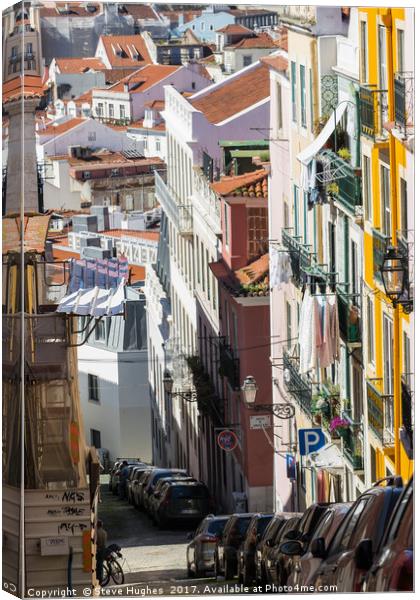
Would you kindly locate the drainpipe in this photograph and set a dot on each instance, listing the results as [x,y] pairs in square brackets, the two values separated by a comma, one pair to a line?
[387,20]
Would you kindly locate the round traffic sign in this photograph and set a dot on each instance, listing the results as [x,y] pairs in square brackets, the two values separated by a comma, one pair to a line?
[227,440]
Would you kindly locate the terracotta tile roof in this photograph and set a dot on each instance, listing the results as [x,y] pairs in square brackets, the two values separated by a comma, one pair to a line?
[79,65]
[279,63]
[235,29]
[114,75]
[144,78]
[140,11]
[142,235]
[155,104]
[75,9]
[128,44]
[233,95]
[253,185]
[52,129]
[257,272]
[103,160]
[26,86]
[86,97]
[244,12]
[263,40]
[140,125]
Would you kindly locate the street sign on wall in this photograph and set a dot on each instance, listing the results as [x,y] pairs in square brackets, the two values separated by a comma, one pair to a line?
[310,440]
[227,440]
[259,421]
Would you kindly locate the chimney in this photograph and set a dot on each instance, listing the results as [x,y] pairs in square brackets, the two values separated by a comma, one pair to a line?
[126,88]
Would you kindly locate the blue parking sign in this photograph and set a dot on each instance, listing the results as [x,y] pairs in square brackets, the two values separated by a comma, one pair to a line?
[310,440]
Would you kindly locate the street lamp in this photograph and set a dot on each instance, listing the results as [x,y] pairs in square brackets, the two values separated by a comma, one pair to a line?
[394,273]
[168,384]
[250,389]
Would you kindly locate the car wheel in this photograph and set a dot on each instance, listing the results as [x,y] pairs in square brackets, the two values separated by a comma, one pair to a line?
[229,571]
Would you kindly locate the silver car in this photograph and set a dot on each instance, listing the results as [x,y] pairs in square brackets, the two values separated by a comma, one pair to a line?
[200,551]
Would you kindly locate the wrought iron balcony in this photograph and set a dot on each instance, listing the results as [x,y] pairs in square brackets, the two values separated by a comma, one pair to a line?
[353,447]
[229,364]
[348,182]
[404,102]
[373,112]
[380,243]
[300,255]
[297,384]
[180,214]
[379,405]
[185,220]
[349,318]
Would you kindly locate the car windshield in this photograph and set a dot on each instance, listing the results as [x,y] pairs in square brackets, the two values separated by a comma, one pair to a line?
[193,491]
[242,525]
[262,523]
[216,527]
[163,474]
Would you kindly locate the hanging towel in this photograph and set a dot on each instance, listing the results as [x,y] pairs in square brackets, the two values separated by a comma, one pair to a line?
[306,333]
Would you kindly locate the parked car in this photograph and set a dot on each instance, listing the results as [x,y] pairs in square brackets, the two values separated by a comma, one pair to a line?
[304,563]
[133,480]
[246,551]
[267,540]
[150,483]
[200,551]
[182,501]
[137,489]
[225,562]
[392,568]
[155,498]
[115,473]
[356,543]
[272,564]
[303,534]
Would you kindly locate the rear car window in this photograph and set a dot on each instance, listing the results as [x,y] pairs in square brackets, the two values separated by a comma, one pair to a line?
[190,491]
[242,525]
[262,524]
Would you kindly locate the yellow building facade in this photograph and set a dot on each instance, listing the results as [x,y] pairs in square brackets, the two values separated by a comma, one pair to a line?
[387,131]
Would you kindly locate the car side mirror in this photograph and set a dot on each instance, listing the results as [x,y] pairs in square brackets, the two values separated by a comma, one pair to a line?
[318,549]
[292,548]
[293,534]
[363,555]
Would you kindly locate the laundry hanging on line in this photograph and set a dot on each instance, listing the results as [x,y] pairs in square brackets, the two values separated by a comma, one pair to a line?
[280,268]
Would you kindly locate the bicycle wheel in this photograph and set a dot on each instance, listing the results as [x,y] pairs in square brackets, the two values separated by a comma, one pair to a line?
[106,571]
[117,573]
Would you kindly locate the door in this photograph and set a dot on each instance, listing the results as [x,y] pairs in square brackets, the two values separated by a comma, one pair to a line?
[388,375]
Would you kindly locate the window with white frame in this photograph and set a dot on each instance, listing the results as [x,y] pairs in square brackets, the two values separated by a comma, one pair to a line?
[302,95]
[100,109]
[363,52]
[93,387]
[279,107]
[293,86]
[385,201]
[247,60]
[111,110]
[367,187]
[370,329]
[122,111]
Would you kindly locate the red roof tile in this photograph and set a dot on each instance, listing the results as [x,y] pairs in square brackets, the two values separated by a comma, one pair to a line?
[144,78]
[79,65]
[26,86]
[253,185]
[129,44]
[144,235]
[235,29]
[279,63]
[253,272]
[140,11]
[75,9]
[52,129]
[235,94]
[263,40]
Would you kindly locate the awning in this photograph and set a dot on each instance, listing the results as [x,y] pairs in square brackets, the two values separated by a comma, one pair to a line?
[328,457]
[95,302]
[312,150]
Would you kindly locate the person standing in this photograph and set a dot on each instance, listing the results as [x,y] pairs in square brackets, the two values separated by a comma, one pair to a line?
[101,545]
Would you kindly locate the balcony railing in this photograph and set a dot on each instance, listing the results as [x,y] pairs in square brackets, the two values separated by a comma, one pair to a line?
[206,200]
[404,102]
[373,112]
[297,384]
[348,317]
[380,243]
[407,408]
[185,220]
[348,182]
[378,406]
[353,447]
[180,214]
[300,255]
[229,365]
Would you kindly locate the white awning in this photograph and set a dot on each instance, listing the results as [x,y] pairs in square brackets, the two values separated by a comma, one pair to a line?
[328,457]
[312,150]
[96,302]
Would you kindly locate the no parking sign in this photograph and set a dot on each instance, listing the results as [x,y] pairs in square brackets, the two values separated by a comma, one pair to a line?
[227,440]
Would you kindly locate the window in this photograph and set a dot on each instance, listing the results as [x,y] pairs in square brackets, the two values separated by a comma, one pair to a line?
[385,201]
[296,208]
[289,325]
[342,539]
[257,231]
[193,85]
[367,187]
[404,210]
[388,355]
[145,142]
[111,110]
[311,100]
[157,144]
[370,330]
[407,355]
[202,26]
[294,112]
[92,136]
[279,107]
[400,50]
[247,60]
[93,387]
[14,51]
[95,438]
[302,96]
[363,52]
[29,47]
[382,58]
[122,111]
[86,175]
[100,109]
[227,224]
[100,331]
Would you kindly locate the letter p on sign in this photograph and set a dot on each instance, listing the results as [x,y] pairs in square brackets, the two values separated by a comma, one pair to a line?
[310,440]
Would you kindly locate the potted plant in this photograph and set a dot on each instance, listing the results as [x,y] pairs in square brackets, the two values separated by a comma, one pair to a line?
[339,426]
[344,153]
[332,190]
